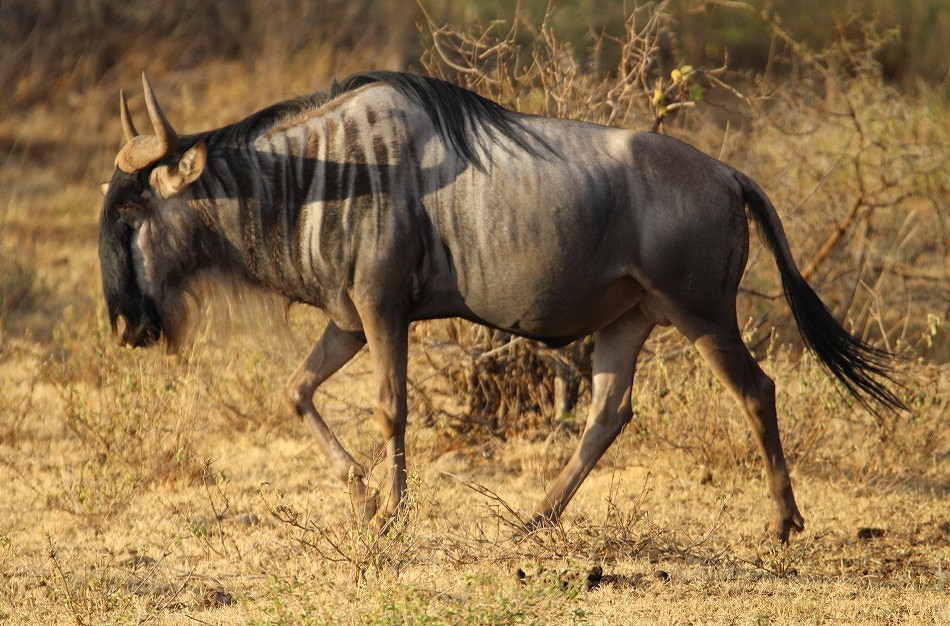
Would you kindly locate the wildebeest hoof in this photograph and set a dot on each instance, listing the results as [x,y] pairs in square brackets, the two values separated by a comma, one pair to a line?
[365,502]
[781,528]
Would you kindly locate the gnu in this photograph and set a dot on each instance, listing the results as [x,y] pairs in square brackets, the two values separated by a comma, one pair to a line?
[400,197]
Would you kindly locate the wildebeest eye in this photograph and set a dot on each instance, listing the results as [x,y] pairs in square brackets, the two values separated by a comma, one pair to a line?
[127,208]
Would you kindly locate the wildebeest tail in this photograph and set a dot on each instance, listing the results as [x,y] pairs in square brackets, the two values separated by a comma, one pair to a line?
[865,371]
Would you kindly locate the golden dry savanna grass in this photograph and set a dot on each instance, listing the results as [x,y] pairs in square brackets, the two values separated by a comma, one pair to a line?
[141,487]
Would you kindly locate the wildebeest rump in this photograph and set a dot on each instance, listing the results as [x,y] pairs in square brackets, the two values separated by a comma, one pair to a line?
[401,197]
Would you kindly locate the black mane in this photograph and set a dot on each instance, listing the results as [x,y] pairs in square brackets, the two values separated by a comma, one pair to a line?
[458,114]
[464,119]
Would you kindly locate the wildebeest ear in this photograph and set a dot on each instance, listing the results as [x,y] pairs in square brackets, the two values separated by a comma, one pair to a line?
[103,188]
[171,180]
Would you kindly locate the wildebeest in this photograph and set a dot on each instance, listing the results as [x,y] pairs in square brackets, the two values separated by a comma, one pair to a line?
[401,197]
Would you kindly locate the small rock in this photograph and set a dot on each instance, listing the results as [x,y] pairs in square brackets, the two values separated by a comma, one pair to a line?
[594,576]
[213,598]
[870,533]
[247,519]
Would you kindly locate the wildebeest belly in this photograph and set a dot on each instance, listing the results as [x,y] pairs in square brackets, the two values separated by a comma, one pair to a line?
[556,308]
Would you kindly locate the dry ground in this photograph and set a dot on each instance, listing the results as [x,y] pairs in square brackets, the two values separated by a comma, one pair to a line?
[197,515]
[145,488]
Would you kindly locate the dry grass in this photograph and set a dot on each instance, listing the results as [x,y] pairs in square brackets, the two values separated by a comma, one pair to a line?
[145,488]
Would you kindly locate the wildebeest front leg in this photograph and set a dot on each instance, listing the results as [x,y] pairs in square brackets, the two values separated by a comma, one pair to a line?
[387,335]
[334,349]
[615,354]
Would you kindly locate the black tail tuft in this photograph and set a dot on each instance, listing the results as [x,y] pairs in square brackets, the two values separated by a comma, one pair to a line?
[865,371]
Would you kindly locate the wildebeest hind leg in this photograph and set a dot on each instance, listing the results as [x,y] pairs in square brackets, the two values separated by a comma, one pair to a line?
[732,363]
[615,353]
[334,349]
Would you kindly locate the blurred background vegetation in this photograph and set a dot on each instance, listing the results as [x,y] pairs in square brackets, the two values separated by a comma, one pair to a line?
[703,31]
[51,49]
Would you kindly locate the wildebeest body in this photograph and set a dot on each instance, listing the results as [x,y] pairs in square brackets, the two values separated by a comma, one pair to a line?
[405,198]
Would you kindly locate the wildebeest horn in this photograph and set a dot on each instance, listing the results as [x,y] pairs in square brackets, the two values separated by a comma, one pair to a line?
[163,129]
[143,150]
[127,124]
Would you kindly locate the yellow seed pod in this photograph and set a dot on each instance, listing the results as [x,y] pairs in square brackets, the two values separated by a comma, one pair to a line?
[677,76]
[657,97]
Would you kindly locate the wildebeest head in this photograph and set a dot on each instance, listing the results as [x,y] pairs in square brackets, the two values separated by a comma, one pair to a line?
[145,226]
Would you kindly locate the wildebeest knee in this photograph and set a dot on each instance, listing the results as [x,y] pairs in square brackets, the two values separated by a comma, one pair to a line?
[297,397]
[760,399]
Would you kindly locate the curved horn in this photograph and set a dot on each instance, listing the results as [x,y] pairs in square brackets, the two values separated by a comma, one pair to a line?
[127,124]
[167,136]
[140,151]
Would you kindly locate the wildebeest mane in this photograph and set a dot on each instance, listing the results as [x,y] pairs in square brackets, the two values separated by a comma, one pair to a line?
[458,114]
[464,119]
